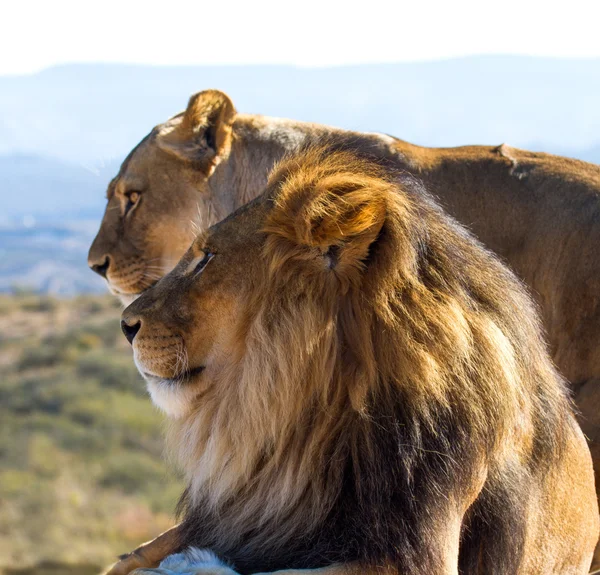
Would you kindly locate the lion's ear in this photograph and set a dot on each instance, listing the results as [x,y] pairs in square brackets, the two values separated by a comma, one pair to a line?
[203,133]
[337,214]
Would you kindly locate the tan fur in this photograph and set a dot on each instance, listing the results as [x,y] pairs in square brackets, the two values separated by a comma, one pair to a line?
[316,311]
[539,212]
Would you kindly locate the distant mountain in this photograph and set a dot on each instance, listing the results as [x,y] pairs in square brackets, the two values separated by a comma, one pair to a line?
[50,188]
[49,213]
[93,113]
[48,258]
[64,131]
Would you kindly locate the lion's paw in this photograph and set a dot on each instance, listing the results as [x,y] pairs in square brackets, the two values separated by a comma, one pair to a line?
[191,562]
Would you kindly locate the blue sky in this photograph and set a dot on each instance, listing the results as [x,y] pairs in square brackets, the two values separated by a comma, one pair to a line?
[38,34]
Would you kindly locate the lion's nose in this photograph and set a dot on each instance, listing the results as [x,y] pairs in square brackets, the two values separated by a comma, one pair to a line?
[130,329]
[101,267]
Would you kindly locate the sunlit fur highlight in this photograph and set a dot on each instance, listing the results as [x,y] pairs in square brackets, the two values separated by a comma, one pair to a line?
[388,376]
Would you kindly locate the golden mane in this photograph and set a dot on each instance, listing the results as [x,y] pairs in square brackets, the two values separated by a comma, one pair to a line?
[376,324]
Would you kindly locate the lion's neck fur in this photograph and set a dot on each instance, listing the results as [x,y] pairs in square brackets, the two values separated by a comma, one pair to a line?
[250,450]
[427,357]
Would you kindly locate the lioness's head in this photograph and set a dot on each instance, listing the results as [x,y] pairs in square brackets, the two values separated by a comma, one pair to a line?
[160,195]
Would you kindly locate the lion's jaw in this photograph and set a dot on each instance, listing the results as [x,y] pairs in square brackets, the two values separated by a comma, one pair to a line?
[162,362]
[173,399]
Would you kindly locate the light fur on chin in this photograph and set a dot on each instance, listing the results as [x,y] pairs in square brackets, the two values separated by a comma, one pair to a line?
[173,399]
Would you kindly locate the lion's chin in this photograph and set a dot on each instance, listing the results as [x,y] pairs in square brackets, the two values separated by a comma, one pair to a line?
[173,399]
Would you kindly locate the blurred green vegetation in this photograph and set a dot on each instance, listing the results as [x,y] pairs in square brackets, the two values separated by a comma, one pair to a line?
[81,473]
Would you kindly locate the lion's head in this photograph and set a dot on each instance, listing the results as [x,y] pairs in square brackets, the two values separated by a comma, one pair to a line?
[345,367]
[161,194]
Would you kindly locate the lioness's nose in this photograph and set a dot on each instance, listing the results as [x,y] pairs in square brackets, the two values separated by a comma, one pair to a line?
[130,328]
[101,266]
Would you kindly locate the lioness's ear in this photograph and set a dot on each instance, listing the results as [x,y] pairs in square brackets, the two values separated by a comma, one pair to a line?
[330,209]
[203,134]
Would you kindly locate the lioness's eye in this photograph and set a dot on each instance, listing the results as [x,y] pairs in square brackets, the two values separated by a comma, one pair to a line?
[199,263]
[132,198]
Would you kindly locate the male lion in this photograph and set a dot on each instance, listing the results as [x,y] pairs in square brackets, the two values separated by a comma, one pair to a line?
[357,386]
[541,213]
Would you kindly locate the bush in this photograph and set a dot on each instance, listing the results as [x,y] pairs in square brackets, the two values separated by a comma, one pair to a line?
[43,355]
[132,472]
[40,304]
[111,371]
[80,441]
[108,332]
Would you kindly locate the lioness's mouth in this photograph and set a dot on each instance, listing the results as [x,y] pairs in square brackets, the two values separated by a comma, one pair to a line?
[126,298]
[184,377]
[129,297]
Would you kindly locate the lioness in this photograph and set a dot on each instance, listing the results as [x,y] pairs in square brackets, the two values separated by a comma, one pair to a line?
[540,212]
[354,381]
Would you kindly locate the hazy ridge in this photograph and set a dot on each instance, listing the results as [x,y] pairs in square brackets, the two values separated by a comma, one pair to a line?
[64,131]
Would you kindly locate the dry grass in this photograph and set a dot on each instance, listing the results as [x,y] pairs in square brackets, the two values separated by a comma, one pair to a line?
[81,473]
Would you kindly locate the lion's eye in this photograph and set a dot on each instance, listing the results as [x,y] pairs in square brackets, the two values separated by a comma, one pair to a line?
[132,199]
[199,263]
